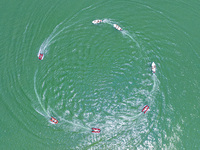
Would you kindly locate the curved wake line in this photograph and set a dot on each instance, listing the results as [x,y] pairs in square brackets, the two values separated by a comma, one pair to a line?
[155,83]
[127,34]
[39,100]
[38,96]
[124,32]
[47,42]
[155,86]
[74,124]
[64,121]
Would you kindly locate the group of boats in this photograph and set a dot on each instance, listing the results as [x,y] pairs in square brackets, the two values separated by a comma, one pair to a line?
[94,130]
[153,68]
[153,65]
[41,55]
[144,110]
[114,25]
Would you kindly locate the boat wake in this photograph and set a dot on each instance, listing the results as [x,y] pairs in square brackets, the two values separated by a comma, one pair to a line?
[49,111]
[60,28]
[76,125]
[155,84]
[124,32]
[45,112]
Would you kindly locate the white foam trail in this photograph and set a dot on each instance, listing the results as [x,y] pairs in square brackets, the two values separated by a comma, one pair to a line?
[155,83]
[108,21]
[66,121]
[124,32]
[127,34]
[40,113]
[74,124]
[47,42]
[48,109]
[39,100]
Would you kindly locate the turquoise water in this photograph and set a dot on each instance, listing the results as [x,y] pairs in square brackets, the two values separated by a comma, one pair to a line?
[97,76]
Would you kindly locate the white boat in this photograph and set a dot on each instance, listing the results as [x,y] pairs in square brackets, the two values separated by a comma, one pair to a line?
[97,21]
[153,67]
[117,27]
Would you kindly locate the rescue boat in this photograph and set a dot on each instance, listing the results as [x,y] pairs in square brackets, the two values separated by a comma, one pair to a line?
[97,21]
[145,109]
[96,130]
[153,67]
[55,121]
[41,56]
[117,27]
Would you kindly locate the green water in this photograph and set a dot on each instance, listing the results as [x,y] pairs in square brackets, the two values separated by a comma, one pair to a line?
[96,76]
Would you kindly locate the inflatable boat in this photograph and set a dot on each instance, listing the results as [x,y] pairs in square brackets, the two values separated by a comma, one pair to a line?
[96,130]
[55,121]
[144,110]
[40,56]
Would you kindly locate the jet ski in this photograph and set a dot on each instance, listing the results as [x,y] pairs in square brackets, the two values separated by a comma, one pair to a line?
[55,121]
[96,130]
[117,27]
[97,21]
[153,67]
[41,56]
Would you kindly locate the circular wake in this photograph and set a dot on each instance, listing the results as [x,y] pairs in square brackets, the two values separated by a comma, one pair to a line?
[97,82]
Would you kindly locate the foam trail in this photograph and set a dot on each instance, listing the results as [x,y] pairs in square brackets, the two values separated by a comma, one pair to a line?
[155,83]
[39,100]
[46,112]
[108,21]
[124,32]
[75,124]
[47,42]
[127,34]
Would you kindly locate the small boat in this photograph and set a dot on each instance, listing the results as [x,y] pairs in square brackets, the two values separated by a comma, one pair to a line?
[153,67]
[117,27]
[55,121]
[41,56]
[96,130]
[145,109]
[97,21]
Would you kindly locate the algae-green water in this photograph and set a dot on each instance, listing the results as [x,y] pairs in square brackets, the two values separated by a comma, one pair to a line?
[94,76]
